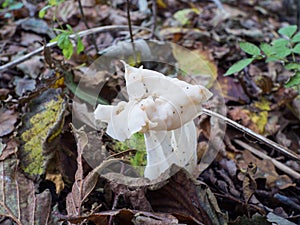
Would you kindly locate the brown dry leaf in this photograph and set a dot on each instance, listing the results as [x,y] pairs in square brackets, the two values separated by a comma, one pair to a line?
[82,187]
[10,148]
[18,200]
[249,183]
[266,170]
[232,90]
[183,196]
[126,217]
[23,85]
[7,31]
[32,67]
[8,118]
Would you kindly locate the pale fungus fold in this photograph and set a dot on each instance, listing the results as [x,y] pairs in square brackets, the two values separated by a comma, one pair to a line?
[162,108]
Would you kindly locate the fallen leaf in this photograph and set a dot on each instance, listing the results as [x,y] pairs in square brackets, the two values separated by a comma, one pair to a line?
[40,131]
[18,200]
[278,220]
[7,120]
[23,85]
[196,63]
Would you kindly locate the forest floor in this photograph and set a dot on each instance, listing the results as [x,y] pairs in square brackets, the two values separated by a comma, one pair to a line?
[57,165]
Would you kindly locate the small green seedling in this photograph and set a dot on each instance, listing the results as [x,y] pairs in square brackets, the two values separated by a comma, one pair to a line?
[65,44]
[284,50]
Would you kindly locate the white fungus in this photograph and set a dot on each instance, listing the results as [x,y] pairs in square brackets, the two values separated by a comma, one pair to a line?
[163,108]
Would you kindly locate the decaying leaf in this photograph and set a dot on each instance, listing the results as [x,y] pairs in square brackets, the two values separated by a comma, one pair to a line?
[182,195]
[7,120]
[18,200]
[196,63]
[41,131]
[82,187]
[266,170]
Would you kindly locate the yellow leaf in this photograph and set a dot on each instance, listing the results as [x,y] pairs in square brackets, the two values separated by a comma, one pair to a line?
[264,104]
[40,127]
[196,63]
[260,120]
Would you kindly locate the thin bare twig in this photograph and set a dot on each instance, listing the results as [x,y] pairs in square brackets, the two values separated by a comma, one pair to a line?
[276,163]
[87,26]
[257,136]
[154,12]
[129,21]
[53,44]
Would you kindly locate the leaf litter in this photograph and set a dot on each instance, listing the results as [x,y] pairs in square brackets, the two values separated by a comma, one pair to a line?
[240,186]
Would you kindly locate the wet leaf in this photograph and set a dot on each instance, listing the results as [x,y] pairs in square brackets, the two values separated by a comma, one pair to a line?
[8,118]
[238,66]
[40,131]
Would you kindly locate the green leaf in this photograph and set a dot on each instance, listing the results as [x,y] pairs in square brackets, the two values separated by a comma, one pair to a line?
[42,12]
[283,52]
[292,66]
[16,6]
[68,51]
[250,48]
[267,49]
[296,38]
[294,80]
[238,66]
[280,42]
[296,49]
[79,46]
[288,31]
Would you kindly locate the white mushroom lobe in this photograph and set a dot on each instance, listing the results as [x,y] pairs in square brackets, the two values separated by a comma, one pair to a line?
[163,108]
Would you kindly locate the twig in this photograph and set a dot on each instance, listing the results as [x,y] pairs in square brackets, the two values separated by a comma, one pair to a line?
[53,44]
[257,136]
[276,163]
[154,12]
[87,26]
[129,21]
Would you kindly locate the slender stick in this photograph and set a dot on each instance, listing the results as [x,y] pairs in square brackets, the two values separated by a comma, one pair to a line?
[154,12]
[53,44]
[129,21]
[87,25]
[257,136]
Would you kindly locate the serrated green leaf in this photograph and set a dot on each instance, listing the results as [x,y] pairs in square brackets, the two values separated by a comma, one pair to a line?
[238,66]
[296,49]
[296,38]
[288,31]
[294,80]
[250,48]
[292,66]
[79,46]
